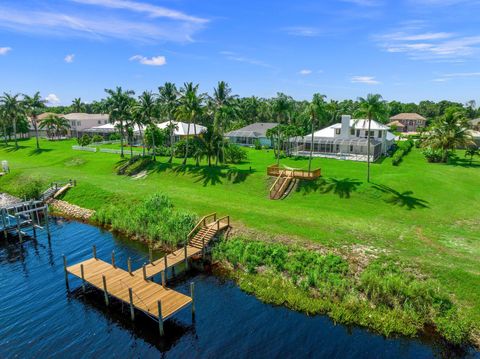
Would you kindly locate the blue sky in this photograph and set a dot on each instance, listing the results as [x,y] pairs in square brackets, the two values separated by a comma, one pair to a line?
[406,50]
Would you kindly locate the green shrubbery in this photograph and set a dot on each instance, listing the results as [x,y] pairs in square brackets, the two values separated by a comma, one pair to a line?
[385,297]
[433,156]
[97,138]
[403,148]
[235,154]
[85,140]
[154,219]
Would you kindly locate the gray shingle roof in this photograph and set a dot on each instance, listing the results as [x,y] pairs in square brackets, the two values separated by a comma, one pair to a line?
[255,130]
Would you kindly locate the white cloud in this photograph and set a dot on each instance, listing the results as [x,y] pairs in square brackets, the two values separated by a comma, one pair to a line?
[69,58]
[52,99]
[5,50]
[419,44]
[152,61]
[457,75]
[305,72]
[151,10]
[369,80]
[304,31]
[98,25]
[232,56]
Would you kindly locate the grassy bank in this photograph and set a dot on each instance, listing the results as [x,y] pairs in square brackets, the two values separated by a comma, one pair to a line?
[387,296]
[421,213]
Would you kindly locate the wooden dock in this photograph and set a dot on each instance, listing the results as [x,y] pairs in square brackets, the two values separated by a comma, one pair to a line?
[135,288]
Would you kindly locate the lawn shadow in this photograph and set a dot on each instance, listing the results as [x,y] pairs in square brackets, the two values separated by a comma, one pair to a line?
[214,175]
[12,148]
[235,175]
[404,199]
[341,187]
[462,162]
[38,151]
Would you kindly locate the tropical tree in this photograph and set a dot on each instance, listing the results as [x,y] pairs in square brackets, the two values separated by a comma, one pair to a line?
[118,104]
[33,106]
[372,107]
[449,132]
[281,107]
[78,105]
[168,104]
[224,111]
[317,112]
[471,152]
[190,109]
[55,125]
[145,115]
[13,111]
[4,122]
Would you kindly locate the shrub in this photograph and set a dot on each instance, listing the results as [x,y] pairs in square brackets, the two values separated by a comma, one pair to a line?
[85,140]
[97,138]
[403,148]
[28,188]
[180,148]
[114,136]
[257,145]
[433,156]
[235,154]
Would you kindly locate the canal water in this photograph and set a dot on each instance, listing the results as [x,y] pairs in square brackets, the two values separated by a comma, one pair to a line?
[39,318]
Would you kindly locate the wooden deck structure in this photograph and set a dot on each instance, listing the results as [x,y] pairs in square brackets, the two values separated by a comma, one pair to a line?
[287,178]
[135,288]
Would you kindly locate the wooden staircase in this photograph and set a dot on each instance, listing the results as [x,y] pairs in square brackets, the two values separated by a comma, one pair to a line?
[280,186]
[206,230]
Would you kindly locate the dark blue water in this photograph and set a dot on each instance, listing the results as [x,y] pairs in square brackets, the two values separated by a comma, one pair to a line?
[39,318]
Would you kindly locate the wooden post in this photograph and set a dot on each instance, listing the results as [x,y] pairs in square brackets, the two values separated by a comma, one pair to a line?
[192,295]
[163,279]
[94,248]
[83,277]
[32,219]
[132,308]
[186,258]
[203,247]
[45,213]
[129,263]
[150,255]
[113,259]
[17,219]
[65,270]
[165,259]
[160,318]
[144,272]
[105,292]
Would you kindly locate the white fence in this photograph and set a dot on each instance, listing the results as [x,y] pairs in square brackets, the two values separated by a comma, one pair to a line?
[110,150]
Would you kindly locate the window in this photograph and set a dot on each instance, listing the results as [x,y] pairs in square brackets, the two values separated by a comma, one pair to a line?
[351,148]
[379,134]
[338,148]
[79,123]
[337,131]
[99,122]
[352,132]
[106,121]
[358,133]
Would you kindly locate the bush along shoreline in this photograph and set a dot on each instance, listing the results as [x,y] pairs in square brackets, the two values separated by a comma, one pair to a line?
[386,297]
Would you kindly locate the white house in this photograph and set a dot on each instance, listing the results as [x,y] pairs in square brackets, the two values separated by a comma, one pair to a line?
[248,135]
[181,129]
[346,140]
[79,122]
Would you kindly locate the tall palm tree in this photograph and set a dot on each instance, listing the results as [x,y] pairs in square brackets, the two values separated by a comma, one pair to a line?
[33,105]
[14,109]
[77,105]
[449,132]
[190,110]
[168,101]
[224,110]
[316,111]
[145,109]
[118,105]
[55,125]
[372,107]
[281,106]
[4,122]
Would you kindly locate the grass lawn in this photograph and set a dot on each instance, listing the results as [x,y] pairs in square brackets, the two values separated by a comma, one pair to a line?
[427,214]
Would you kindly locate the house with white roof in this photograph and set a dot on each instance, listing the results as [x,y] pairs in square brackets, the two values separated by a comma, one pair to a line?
[79,122]
[346,140]
[249,135]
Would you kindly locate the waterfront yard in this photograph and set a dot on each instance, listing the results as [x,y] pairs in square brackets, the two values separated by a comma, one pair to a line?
[426,214]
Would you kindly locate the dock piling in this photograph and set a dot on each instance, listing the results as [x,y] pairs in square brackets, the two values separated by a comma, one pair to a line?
[160,319]
[144,272]
[83,277]
[132,308]
[17,220]
[105,292]
[66,272]
[113,259]
[186,258]
[166,264]
[163,279]
[192,295]
[47,226]
[94,249]
[129,264]
[150,255]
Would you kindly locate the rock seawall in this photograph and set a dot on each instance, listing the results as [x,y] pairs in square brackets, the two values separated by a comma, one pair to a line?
[70,210]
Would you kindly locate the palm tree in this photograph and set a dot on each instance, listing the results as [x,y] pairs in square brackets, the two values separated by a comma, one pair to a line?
[4,121]
[78,105]
[372,107]
[168,100]
[316,110]
[118,105]
[33,106]
[61,126]
[223,111]
[449,132]
[13,108]
[145,111]
[55,125]
[190,109]
[281,106]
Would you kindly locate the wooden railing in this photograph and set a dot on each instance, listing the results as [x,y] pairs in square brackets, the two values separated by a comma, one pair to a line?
[201,223]
[277,180]
[274,170]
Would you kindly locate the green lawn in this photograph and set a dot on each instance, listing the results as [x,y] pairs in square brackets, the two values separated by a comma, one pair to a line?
[428,214]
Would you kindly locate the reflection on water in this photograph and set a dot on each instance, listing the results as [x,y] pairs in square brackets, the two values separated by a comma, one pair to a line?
[40,318]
